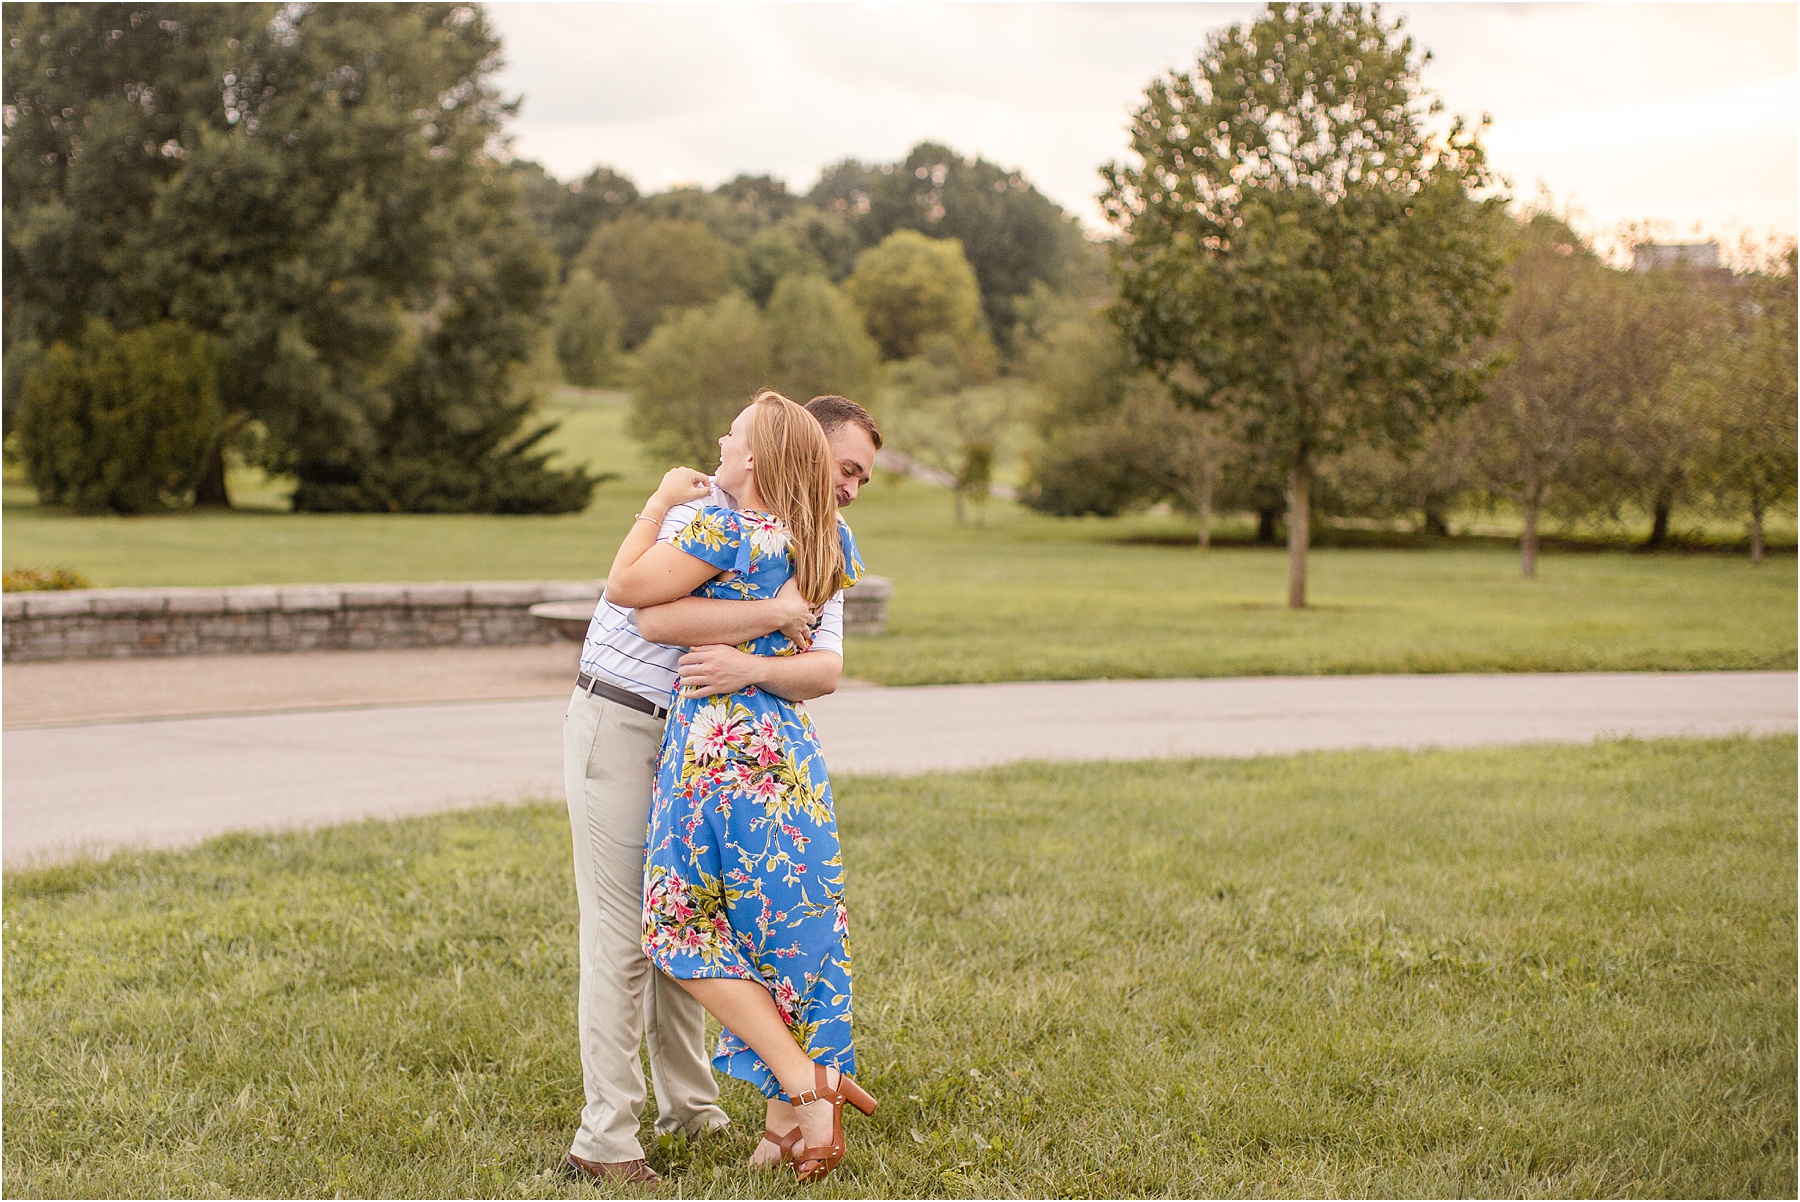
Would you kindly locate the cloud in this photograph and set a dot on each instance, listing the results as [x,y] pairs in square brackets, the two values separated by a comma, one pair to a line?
[1678,112]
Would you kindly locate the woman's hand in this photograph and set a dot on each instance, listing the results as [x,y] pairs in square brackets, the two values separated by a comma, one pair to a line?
[679,486]
[798,621]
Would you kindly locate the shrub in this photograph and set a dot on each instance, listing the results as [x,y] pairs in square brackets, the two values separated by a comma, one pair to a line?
[120,422]
[42,580]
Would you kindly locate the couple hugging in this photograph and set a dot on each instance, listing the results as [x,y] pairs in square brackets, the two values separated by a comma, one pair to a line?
[733,903]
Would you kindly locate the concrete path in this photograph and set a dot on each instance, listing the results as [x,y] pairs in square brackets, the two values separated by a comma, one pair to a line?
[97,787]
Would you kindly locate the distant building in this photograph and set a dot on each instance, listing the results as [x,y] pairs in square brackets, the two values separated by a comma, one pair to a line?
[1654,256]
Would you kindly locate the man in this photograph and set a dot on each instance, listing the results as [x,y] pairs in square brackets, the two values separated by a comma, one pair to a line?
[612,733]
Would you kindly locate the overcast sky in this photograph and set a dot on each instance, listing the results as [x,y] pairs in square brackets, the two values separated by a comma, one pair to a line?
[1683,114]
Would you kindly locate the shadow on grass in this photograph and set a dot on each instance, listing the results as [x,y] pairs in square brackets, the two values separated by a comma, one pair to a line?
[1355,538]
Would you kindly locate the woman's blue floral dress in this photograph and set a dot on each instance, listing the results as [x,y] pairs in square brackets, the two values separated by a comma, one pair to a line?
[743,875]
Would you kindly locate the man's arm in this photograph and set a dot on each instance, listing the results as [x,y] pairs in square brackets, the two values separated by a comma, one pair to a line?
[709,671]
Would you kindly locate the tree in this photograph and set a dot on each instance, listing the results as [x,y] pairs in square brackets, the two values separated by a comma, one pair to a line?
[1424,484]
[586,329]
[121,423]
[1301,250]
[944,417]
[1675,316]
[1547,432]
[566,215]
[693,375]
[1013,235]
[769,257]
[657,266]
[1747,402]
[827,237]
[1111,436]
[911,288]
[307,184]
[817,345]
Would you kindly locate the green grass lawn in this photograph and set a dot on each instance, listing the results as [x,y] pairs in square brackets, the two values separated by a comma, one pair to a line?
[1028,597]
[1542,971]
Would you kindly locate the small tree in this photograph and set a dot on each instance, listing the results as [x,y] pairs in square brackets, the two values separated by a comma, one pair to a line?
[1547,430]
[693,375]
[911,288]
[944,418]
[657,267]
[121,423]
[586,328]
[1747,406]
[1301,249]
[817,344]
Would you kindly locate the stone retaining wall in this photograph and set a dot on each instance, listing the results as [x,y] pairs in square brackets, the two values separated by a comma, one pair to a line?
[107,622]
[104,623]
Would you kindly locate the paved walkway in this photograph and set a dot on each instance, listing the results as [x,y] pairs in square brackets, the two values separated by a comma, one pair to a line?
[105,785]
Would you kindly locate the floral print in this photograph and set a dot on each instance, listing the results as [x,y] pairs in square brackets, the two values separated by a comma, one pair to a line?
[743,876]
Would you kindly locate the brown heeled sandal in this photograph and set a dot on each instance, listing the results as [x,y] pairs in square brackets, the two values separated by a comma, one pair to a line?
[786,1144]
[826,1158]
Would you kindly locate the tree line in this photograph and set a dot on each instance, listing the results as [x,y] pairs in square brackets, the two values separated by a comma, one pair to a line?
[293,236]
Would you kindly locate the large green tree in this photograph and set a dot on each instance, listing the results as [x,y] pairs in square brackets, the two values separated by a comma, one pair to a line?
[316,188]
[1012,234]
[1301,249]
[912,288]
[656,268]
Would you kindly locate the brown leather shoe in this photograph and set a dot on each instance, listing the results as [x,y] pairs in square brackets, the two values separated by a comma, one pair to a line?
[621,1172]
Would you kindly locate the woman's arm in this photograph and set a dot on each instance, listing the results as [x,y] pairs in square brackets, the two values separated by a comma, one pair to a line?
[646,572]
[702,621]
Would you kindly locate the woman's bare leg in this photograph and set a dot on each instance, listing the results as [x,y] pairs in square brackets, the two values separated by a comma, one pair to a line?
[748,1010]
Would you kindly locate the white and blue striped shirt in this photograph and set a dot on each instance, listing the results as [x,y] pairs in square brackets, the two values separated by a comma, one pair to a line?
[616,653]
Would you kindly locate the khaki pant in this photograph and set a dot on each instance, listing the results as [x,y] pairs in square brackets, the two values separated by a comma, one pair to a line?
[609,769]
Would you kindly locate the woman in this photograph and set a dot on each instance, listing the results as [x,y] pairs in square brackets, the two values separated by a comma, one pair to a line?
[743,880]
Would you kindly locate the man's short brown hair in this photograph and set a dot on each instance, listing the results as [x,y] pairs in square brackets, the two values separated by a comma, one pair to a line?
[834,412]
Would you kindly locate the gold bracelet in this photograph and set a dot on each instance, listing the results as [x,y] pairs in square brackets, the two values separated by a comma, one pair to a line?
[641,518]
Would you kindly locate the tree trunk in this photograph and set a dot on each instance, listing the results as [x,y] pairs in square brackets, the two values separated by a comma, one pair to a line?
[1756,540]
[960,511]
[1436,523]
[210,492]
[1299,502]
[1528,541]
[1265,527]
[1205,508]
[1659,523]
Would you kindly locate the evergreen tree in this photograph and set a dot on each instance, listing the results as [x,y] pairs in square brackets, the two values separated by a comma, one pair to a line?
[311,185]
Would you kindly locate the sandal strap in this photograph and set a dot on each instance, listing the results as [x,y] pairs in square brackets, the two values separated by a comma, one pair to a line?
[786,1143]
[821,1089]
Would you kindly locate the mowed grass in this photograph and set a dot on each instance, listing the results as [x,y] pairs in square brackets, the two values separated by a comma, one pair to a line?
[1026,597]
[1539,971]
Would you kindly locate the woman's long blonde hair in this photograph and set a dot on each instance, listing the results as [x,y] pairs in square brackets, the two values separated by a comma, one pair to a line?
[792,466]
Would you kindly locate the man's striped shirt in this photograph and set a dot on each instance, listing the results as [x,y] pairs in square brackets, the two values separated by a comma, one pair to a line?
[615,652]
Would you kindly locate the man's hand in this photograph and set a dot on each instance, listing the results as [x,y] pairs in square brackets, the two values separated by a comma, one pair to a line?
[798,621]
[710,671]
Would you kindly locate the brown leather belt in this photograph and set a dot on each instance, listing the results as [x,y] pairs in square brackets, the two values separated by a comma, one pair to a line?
[624,697]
